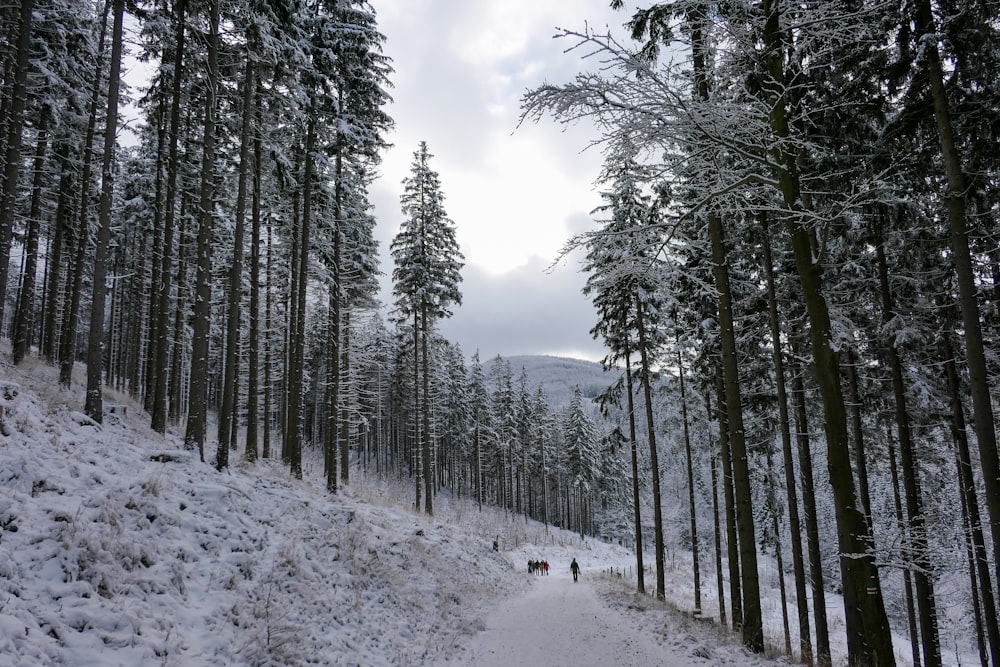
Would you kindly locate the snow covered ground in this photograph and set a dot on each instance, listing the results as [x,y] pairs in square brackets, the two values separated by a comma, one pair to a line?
[119,548]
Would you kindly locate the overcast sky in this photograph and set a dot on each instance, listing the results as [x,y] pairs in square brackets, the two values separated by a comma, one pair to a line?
[516,195]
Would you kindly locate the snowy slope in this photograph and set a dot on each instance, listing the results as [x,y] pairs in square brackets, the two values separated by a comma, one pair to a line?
[119,548]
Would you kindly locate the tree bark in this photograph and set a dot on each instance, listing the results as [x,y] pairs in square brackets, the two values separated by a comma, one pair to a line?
[911,614]
[955,198]
[343,412]
[153,315]
[332,417]
[197,419]
[426,413]
[915,536]
[794,525]
[715,514]
[654,462]
[634,450]
[159,370]
[967,487]
[811,521]
[55,269]
[15,130]
[752,625]
[68,347]
[265,449]
[228,424]
[869,641]
[93,405]
[729,496]
[858,435]
[690,482]
[24,317]
[253,341]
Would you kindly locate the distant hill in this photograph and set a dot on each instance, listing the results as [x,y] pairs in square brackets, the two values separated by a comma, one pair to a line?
[558,375]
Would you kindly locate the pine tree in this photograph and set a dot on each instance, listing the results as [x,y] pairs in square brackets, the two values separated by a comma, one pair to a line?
[623,279]
[482,422]
[425,281]
[197,420]
[580,456]
[14,123]
[96,342]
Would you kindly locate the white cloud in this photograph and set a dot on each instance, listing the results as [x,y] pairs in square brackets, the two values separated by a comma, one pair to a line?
[516,194]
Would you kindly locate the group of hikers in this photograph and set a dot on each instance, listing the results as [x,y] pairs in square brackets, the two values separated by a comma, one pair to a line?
[541,567]
[538,567]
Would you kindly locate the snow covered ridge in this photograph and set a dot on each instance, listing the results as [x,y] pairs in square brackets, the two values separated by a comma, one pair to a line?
[118,548]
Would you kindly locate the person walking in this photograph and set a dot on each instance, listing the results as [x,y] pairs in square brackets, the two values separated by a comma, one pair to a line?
[575,569]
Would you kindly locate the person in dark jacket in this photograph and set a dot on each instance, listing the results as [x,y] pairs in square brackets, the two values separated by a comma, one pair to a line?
[575,569]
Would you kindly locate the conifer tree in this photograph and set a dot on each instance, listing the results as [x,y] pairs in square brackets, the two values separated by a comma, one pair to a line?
[624,280]
[96,342]
[426,276]
[14,125]
[580,455]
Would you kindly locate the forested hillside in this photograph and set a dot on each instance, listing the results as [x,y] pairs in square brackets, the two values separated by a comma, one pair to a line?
[559,376]
[795,269]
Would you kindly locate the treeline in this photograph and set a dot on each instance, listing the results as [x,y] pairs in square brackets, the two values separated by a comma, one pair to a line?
[801,215]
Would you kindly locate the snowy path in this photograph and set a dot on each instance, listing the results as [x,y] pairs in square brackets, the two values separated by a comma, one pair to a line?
[557,623]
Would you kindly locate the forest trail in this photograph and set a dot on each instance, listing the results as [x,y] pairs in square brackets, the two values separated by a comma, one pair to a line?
[558,623]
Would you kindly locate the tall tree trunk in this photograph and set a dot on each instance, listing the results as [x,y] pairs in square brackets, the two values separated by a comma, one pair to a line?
[977,610]
[916,532]
[752,622]
[158,374]
[135,322]
[478,446]
[153,315]
[343,412]
[869,640]
[690,482]
[732,535]
[291,322]
[175,398]
[911,614]
[297,312]
[68,347]
[332,418]
[967,486]
[715,514]
[426,416]
[647,395]
[56,271]
[338,305]
[794,526]
[265,450]
[228,424]
[12,156]
[93,405]
[858,433]
[811,520]
[753,626]
[774,505]
[416,407]
[955,198]
[197,419]
[24,317]
[633,445]
[253,342]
